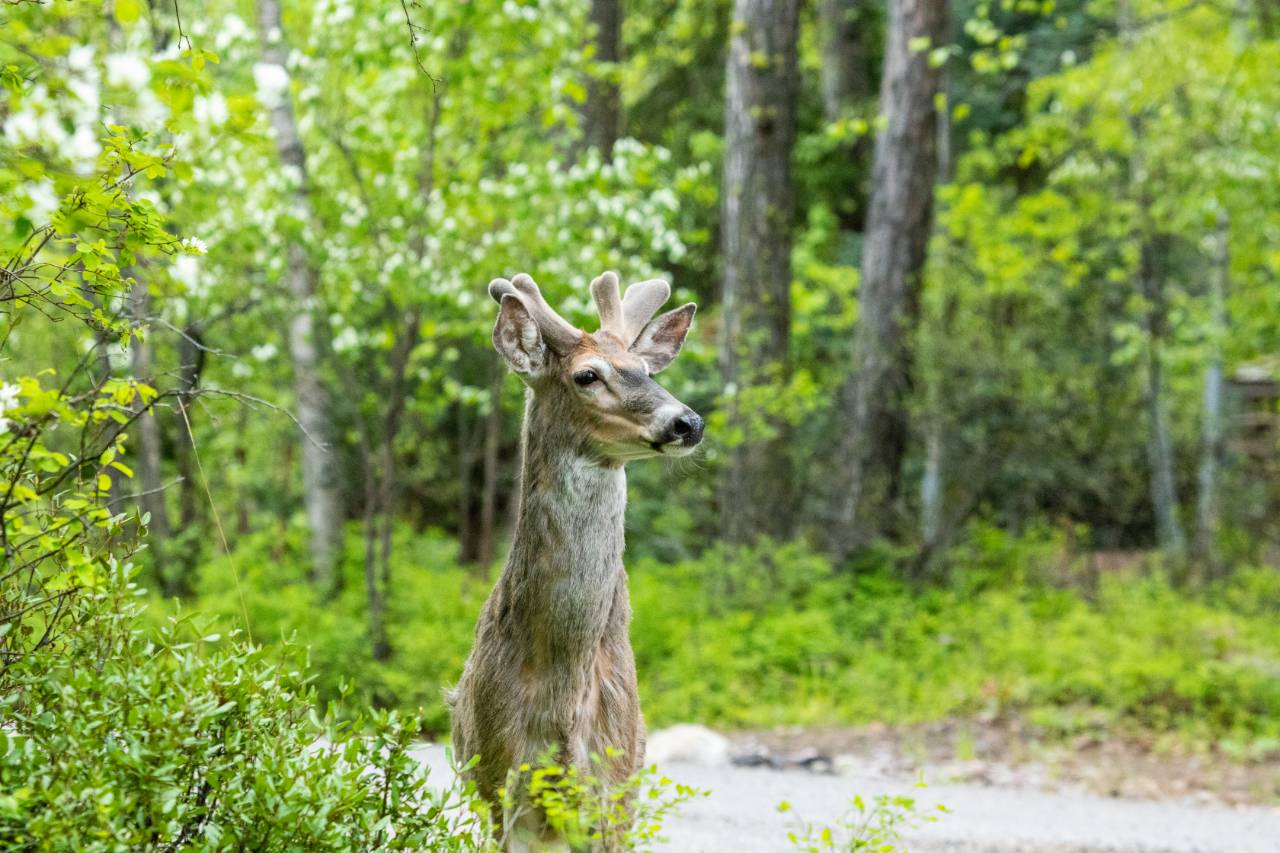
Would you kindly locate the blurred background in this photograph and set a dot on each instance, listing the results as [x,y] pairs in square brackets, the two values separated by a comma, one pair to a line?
[988,343]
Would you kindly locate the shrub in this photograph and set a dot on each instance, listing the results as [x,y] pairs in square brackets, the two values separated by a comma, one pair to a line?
[129,739]
[874,827]
[771,635]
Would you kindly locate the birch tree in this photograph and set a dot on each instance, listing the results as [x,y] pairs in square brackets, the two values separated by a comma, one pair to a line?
[320,475]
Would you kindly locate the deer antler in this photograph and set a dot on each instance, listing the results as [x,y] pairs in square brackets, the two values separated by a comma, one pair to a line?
[626,317]
[641,302]
[604,290]
[558,332]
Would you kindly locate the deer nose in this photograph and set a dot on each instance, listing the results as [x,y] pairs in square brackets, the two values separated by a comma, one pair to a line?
[686,429]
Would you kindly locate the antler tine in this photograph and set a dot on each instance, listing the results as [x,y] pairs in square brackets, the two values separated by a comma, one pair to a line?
[604,291]
[558,332]
[641,302]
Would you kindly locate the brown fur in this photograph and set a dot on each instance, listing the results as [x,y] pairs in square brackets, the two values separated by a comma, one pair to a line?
[552,665]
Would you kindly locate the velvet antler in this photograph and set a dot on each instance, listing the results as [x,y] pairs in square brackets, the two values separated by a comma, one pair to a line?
[625,317]
[558,332]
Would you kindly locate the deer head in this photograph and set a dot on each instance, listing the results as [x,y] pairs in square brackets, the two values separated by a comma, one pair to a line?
[600,384]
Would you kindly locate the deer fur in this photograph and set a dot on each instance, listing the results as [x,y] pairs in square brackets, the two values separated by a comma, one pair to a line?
[552,665]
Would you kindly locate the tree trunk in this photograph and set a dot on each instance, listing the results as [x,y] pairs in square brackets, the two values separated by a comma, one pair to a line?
[760,97]
[467,545]
[380,648]
[932,480]
[1150,284]
[874,397]
[149,455]
[244,504]
[190,366]
[320,476]
[1211,427]
[1164,493]
[602,111]
[846,77]
[487,546]
[398,394]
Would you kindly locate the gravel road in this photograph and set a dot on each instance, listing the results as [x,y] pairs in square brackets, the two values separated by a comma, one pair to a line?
[741,815]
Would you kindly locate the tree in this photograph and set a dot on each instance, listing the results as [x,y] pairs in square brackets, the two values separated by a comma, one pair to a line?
[151,490]
[760,127]
[871,438]
[602,112]
[320,475]
[1083,251]
[1150,282]
[1211,432]
[846,74]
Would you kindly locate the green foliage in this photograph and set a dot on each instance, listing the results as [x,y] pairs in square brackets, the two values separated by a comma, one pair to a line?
[430,618]
[128,739]
[589,813]
[1036,326]
[874,827]
[149,216]
[796,645]
[770,636]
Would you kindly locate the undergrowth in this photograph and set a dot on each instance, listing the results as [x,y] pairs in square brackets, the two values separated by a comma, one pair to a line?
[772,635]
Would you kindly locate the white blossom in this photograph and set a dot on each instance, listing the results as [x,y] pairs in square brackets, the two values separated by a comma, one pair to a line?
[195,245]
[347,339]
[233,28]
[22,126]
[264,352]
[210,110]
[83,147]
[186,269]
[127,70]
[9,396]
[44,201]
[80,57]
[86,92]
[272,81]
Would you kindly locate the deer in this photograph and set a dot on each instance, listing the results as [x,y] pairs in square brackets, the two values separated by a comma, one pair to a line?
[551,668]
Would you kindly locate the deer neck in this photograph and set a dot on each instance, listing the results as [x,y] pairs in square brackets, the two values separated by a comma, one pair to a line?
[564,576]
[572,505]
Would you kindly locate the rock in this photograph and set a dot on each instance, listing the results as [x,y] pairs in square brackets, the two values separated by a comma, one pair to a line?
[689,744]
[756,756]
[812,760]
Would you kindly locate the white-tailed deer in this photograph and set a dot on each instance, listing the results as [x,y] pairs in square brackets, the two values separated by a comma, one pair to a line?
[552,666]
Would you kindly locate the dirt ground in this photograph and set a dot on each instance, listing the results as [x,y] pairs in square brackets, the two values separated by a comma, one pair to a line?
[1012,753]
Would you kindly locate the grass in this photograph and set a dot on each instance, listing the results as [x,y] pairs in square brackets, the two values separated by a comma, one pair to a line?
[772,635]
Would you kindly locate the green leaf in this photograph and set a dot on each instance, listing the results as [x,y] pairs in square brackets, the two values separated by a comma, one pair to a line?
[127,12]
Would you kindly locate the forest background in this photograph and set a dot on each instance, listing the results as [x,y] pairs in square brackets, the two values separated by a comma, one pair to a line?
[988,343]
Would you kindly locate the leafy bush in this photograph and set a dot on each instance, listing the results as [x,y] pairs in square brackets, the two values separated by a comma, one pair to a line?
[127,740]
[771,635]
[589,813]
[876,826]
[431,612]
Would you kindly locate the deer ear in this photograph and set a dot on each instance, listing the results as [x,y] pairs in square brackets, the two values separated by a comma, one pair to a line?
[660,341]
[517,339]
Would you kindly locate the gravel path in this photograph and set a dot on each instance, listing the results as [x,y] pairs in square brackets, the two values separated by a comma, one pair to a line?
[741,815]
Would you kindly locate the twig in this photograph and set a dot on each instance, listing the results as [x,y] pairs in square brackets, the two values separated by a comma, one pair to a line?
[182,36]
[156,490]
[217,521]
[195,343]
[249,398]
[414,29]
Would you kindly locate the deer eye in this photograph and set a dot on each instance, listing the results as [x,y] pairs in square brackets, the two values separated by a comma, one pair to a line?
[585,377]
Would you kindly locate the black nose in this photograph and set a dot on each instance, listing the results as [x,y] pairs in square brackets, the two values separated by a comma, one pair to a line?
[687,429]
